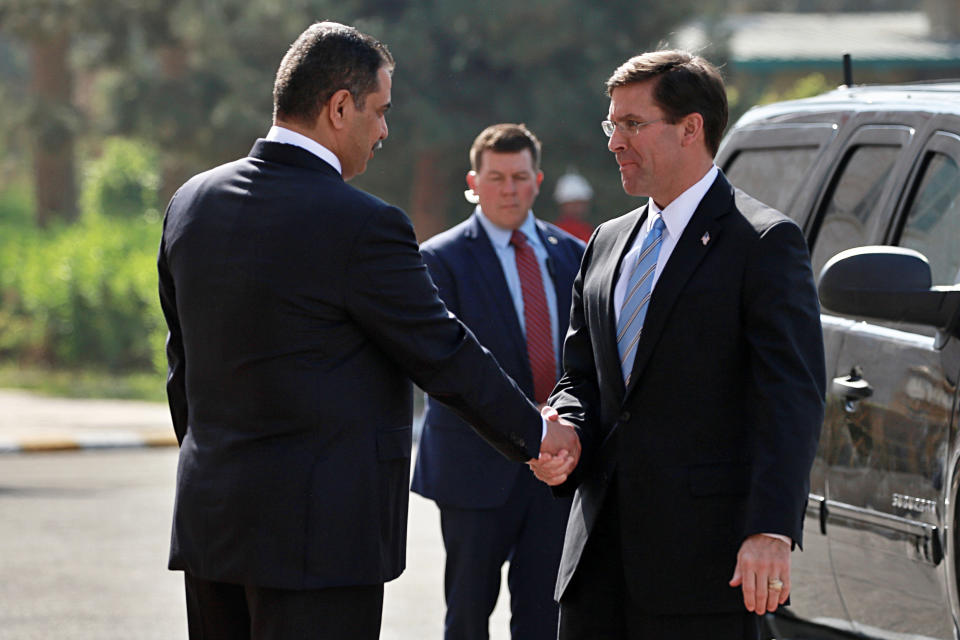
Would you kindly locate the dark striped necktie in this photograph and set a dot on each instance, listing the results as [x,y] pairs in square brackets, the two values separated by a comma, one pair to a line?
[536,318]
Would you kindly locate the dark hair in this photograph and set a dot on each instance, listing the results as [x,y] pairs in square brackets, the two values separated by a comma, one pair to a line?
[505,137]
[326,58]
[685,84]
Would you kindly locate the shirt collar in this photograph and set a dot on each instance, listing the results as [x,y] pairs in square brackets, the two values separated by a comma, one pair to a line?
[677,214]
[286,136]
[500,237]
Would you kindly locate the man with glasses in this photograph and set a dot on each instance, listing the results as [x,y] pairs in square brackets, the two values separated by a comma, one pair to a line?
[507,276]
[694,373]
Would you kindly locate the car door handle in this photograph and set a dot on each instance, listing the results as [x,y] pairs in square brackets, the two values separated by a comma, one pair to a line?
[852,387]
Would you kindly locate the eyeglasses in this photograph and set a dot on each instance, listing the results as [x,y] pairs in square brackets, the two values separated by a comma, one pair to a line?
[629,128]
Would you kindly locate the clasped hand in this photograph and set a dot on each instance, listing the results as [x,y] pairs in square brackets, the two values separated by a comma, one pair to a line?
[559,451]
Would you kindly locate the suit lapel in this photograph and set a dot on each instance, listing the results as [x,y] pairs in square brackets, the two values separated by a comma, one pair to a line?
[488,264]
[689,251]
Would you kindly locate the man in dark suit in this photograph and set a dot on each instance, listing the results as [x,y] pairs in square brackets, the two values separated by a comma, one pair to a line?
[491,511]
[299,309]
[698,431]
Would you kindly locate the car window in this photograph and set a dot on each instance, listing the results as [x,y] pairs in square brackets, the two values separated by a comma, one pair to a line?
[771,175]
[932,226]
[853,197]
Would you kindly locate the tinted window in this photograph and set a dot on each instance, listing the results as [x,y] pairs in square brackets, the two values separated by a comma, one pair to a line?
[853,197]
[771,175]
[933,221]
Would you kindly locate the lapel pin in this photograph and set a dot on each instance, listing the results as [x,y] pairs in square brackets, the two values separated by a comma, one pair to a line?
[706,238]
[552,239]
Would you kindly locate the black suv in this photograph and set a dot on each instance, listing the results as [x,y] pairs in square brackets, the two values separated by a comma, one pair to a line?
[872,173]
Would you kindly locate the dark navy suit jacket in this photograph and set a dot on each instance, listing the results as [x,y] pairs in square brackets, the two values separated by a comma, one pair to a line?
[714,437]
[454,466]
[299,310]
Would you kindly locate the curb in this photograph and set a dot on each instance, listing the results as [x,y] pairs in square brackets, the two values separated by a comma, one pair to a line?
[91,440]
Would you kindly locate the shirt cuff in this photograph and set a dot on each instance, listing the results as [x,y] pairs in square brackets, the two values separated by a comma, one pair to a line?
[779,536]
[543,432]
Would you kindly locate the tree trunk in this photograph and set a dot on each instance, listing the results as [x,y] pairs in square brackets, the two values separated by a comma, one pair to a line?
[53,128]
[174,173]
[174,68]
[429,198]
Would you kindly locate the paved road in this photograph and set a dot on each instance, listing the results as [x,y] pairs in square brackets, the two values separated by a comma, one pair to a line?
[86,495]
[83,544]
[29,422]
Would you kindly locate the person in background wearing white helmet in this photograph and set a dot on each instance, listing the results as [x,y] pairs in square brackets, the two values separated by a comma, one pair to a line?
[573,195]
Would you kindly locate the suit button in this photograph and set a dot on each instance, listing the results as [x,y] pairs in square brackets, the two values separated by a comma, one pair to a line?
[625,416]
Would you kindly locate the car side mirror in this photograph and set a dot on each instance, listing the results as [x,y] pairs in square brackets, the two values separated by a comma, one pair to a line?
[888,283]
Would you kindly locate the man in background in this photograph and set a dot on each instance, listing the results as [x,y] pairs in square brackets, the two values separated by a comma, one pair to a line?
[299,309]
[507,276]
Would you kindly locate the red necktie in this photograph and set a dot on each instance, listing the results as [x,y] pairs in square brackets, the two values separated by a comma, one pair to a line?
[536,317]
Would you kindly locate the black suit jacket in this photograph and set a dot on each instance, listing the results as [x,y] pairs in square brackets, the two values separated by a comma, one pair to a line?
[714,439]
[299,310]
[454,466]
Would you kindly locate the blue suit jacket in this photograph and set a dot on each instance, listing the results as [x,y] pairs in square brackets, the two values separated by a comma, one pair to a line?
[455,467]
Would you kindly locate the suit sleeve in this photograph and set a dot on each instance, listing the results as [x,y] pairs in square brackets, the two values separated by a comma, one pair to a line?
[445,283]
[782,325]
[389,293]
[176,365]
[576,397]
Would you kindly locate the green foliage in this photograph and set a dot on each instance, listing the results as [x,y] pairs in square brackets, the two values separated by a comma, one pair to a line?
[123,181]
[193,81]
[810,85]
[16,203]
[81,295]
[86,294]
[85,383]
[462,66]
[186,77]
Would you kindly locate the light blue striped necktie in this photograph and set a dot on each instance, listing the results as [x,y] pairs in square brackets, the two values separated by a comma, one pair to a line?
[637,299]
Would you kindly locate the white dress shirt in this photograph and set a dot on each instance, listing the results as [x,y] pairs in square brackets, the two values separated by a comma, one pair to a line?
[286,136]
[500,239]
[675,216]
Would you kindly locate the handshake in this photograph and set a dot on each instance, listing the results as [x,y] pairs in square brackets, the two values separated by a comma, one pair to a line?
[559,451]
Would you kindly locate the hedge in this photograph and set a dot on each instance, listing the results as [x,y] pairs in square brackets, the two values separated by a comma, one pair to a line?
[86,294]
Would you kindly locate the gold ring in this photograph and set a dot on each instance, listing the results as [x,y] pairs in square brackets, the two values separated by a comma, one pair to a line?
[775,584]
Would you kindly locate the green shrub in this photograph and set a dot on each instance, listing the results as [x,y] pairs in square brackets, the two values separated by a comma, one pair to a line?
[123,181]
[16,203]
[82,295]
[85,295]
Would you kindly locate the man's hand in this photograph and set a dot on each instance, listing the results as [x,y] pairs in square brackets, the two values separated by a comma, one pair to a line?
[762,560]
[559,451]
